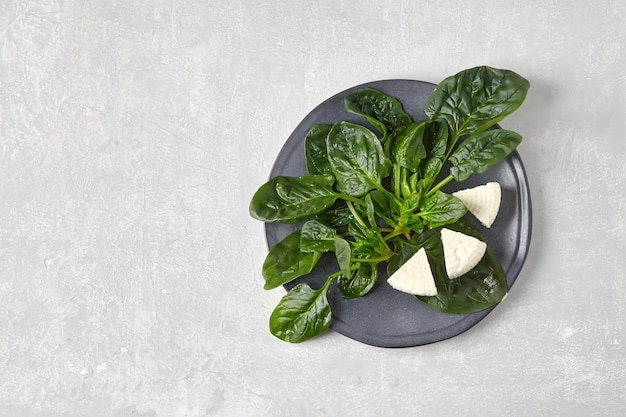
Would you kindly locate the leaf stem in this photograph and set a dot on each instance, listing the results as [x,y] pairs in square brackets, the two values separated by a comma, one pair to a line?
[358,218]
[393,234]
[350,198]
[330,279]
[440,185]
[397,180]
[371,260]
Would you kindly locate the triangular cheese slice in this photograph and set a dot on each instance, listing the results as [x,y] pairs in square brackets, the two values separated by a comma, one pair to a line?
[415,276]
[460,252]
[482,201]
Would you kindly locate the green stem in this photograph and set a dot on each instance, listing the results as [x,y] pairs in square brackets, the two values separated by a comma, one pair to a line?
[397,177]
[439,185]
[455,139]
[358,218]
[382,189]
[372,260]
[393,234]
[383,241]
[404,183]
[329,280]
[389,222]
[351,199]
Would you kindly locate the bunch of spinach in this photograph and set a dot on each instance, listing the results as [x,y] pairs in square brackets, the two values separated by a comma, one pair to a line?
[375,197]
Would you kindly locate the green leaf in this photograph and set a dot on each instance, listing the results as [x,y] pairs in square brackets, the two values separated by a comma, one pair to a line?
[356,157]
[441,209]
[476,99]
[480,152]
[301,314]
[412,202]
[343,253]
[482,287]
[408,147]
[286,262]
[371,211]
[317,237]
[408,219]
[436,145]
[315,150]
[337,215]
[359,283]
[383,112]
[292,199]
[384,204]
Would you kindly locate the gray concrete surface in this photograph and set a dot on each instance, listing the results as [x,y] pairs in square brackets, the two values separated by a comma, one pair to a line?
[133,134]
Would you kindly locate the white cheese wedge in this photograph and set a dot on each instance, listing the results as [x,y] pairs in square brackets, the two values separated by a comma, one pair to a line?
[460,252]
[482,201]
[415,276]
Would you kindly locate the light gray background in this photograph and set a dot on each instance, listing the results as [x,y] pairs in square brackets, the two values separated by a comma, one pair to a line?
[133,134]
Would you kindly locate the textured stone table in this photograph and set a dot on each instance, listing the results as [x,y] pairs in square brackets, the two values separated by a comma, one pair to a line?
[133,134]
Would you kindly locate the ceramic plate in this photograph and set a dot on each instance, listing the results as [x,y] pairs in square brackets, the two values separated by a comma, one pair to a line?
[386,317]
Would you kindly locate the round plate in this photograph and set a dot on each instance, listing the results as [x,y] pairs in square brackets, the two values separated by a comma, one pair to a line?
[385,317]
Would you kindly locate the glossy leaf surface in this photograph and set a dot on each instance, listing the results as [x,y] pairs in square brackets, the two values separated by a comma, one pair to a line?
[441,209]
[360,282]
[343,252]
[436,139]
[292,199]
[356,157]
[337,215]
[316,155]
[408,147]
[286,262]
[317,237]
[480,152]
[476,99]
[383,112]
[301,314]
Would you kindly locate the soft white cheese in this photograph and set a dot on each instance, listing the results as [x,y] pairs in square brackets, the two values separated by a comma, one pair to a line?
[415,276]
[482,201]
[460,252]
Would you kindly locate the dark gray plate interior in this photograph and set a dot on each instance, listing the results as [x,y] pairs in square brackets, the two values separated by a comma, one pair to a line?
[386,317]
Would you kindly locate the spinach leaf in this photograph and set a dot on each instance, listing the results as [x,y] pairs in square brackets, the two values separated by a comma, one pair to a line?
[383,112]
[477,98]
[384,204]
[292,199]
[436,145]
[343,253]
[441,209]
[370,211]
[408,147]
[359,283]
[286,262]
[356,157]
[337,215]
[315,152]
[480,152]
[315,236]
[301,314]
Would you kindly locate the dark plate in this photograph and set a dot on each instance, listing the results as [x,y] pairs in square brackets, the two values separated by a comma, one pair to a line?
[386,317]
